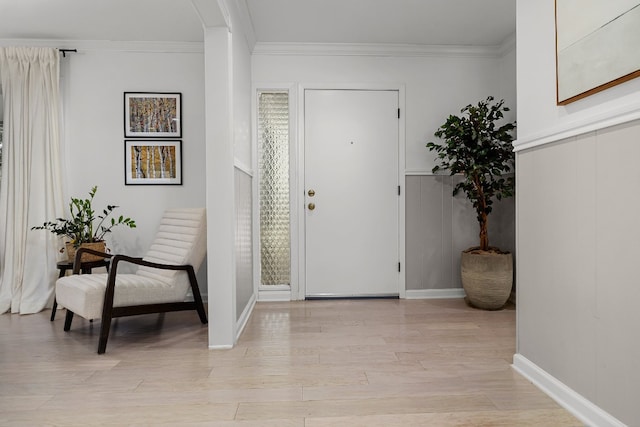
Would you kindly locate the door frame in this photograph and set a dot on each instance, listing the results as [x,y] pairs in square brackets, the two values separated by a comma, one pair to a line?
[298,217]
[276,292]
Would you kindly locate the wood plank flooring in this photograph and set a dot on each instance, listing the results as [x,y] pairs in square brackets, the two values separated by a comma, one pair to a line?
[300,364]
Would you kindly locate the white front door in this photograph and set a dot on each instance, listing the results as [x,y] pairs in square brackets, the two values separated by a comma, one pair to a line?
[351,192]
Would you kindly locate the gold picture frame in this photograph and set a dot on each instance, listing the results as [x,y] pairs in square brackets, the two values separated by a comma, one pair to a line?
[596,46]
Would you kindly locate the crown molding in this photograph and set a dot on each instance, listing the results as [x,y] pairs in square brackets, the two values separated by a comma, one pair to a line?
[370,49]
[262,48]
[224,10]
[507,45]
[115,46]
[247,25]
[211,14]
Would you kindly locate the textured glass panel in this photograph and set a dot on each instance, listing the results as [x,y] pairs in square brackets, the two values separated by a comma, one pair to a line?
[1,129]
[273,164]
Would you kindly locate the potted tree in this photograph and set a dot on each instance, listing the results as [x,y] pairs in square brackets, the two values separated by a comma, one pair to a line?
[80,229]
[477,145]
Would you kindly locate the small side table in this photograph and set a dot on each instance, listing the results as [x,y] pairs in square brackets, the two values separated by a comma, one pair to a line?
[85,268]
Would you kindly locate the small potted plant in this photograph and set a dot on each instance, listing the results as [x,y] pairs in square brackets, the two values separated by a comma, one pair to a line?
[477,147]
[80,229]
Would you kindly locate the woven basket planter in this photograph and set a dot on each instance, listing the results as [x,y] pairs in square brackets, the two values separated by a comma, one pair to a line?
[487,278]
[96,246]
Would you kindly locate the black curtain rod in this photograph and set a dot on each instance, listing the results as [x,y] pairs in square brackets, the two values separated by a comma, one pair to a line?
[64,51]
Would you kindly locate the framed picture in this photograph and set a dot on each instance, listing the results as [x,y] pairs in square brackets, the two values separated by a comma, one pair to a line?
[152,162]
[596,46]
[152,115]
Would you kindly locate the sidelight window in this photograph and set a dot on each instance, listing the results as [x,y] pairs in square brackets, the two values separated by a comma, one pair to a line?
[273,166]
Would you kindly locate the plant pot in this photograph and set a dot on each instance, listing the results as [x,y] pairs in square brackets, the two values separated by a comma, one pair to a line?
[487,278]
[86,257]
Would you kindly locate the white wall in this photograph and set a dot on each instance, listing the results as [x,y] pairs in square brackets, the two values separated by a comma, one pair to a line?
[228,160]
[220,187]
[577,204]
[94,81]
[539,119]
[242,138]
[436,85]
[508,84]
[241,102]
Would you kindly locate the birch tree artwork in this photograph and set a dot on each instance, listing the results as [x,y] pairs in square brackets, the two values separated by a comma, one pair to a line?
[153,161]
[152,114]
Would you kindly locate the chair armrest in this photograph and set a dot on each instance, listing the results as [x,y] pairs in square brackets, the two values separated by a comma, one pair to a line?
[113,271]
[139,261]
[77,264]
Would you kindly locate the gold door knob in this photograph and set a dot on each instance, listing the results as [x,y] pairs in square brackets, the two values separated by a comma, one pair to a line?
[312,206]
[311,193]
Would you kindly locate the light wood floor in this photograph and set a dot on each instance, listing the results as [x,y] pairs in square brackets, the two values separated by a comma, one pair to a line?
[309,363]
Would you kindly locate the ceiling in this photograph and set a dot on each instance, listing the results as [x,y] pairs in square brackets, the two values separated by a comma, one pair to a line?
[420,22]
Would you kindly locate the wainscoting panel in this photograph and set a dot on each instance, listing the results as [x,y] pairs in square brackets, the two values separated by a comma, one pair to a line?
[440,226]
[244,247]
[577,269]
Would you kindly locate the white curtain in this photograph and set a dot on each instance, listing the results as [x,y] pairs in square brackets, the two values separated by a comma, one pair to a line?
[31,184]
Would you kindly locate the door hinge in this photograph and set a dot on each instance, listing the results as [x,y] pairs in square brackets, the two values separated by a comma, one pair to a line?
[398,267]
[398,113]
[398,190]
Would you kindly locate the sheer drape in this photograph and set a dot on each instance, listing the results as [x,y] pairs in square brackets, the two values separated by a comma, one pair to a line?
[31,184]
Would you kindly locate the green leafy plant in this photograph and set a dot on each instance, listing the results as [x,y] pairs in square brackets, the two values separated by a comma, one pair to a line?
[475,146]
[80,228]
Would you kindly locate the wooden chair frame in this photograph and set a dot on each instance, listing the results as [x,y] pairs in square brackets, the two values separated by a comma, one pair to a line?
[109,311]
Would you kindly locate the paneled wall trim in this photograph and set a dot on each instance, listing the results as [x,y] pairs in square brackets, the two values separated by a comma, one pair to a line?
[577,201]
[439,227]
[575,128]
[577,273]
[243,242]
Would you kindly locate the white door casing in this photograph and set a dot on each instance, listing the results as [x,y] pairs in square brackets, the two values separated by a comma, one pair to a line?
[351,149]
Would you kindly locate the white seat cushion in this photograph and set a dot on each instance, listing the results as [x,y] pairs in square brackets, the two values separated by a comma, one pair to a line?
[84,294]
[180,240]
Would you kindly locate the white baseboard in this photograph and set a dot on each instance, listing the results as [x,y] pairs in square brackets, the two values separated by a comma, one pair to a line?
[285,294]
[274,295]
[566,397]
[435,293]
[220,347]
[244,317]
